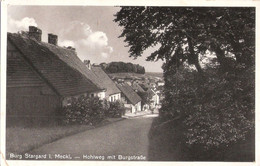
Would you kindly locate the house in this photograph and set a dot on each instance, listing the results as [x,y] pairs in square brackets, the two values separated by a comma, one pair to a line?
[137,87]
[42,77]
[160,83]
[130,98]
[112,92]
[155,98]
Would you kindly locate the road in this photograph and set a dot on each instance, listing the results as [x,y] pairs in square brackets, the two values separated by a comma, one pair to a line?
[122,140]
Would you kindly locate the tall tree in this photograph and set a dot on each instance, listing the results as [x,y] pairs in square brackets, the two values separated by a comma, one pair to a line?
[194,30]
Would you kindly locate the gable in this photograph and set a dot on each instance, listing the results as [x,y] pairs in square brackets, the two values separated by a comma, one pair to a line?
[19,73]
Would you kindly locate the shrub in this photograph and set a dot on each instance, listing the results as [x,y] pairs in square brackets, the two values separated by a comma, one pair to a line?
[84,110]
[217,109]
[115,110]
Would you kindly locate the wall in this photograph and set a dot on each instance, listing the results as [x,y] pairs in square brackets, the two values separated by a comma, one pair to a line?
[67,100]
[114,97]
[100,95]
[138,106]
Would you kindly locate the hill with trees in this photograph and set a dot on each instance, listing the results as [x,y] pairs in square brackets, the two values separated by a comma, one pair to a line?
[122,67]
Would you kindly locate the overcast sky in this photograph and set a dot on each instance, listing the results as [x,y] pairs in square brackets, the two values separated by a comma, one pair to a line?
[90,30]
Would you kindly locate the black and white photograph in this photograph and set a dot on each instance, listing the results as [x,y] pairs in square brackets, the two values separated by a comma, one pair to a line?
[129,83]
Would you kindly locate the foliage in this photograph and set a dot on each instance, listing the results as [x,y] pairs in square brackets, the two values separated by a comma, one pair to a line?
[121,67]
[216,103]
[184,33]
[216,110]
[115,110]
[84,110]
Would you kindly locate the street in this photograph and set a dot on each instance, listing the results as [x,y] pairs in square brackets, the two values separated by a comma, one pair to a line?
[116,141]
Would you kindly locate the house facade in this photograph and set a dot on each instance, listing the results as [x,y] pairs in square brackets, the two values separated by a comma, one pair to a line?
[155,98]
[130,98]
[112,91]
[42,77]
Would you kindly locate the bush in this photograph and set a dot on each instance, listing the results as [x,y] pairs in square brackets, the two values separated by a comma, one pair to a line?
[115,110]
[217,109]
[84,110]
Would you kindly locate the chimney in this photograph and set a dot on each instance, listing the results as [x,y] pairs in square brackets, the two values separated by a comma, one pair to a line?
[52,39]
[71,48]
[87,63]
[35,33]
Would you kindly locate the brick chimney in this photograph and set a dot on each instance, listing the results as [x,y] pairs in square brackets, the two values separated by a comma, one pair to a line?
[52,39]
[35,33]
[71,48]
[87,63]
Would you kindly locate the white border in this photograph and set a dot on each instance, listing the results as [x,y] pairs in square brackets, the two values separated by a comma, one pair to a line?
[5,3]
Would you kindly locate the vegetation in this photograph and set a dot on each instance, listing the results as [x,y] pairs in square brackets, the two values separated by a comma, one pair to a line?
[216,110]
[23,139]
[82,114]
[90,110]
[115,109]
[83,110]
[121,67]
[209,56]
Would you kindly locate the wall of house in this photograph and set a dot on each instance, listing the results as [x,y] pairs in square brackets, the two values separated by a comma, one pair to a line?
[138,106]
[156,99]
[114,97]
[29,99]
[100,95]
[67,100]
[123,99]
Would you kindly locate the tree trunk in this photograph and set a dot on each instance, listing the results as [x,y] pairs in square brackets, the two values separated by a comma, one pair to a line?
[224,64]
[193,58]
[220,55]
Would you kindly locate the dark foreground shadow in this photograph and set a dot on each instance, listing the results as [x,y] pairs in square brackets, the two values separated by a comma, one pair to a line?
[166,143]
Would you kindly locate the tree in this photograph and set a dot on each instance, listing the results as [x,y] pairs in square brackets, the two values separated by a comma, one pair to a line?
[121,67]
[216,107]
[191,31]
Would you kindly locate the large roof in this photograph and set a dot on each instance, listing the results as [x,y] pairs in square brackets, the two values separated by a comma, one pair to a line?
[105,81]
[130,94]
[59,67]
[137,87]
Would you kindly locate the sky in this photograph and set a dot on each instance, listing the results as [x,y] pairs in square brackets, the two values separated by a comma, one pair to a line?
[90,29]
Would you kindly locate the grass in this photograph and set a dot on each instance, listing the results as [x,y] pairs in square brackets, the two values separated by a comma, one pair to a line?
[154,74]
[23,139]
[166,143]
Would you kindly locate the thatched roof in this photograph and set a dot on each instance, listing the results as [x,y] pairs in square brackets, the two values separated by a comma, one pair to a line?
[105,81]
[130,94]
[59,67]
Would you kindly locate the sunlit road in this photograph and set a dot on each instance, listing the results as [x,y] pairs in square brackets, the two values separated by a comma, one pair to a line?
[128,137]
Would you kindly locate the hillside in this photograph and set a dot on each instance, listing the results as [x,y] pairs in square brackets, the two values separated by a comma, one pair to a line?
[148,74]
[154,74]
[122,67]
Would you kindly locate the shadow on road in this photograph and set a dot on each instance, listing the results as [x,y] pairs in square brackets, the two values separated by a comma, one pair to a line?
[163,145]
